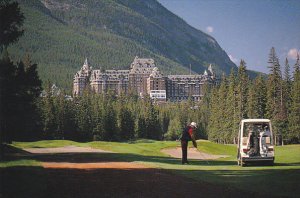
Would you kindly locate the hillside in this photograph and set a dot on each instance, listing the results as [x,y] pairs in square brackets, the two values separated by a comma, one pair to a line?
[60,34]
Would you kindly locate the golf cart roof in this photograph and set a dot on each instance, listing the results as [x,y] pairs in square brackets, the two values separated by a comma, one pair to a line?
[255,120]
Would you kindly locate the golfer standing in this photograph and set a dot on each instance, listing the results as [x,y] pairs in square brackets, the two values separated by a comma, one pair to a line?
[187,135]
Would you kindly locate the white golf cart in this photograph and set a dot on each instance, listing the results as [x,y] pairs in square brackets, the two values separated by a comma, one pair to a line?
[255,142]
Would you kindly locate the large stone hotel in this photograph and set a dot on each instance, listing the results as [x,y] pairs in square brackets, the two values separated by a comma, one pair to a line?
[143,78]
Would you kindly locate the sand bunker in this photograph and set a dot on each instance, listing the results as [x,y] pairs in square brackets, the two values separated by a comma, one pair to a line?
[66,149]
[193,153]
[89,165]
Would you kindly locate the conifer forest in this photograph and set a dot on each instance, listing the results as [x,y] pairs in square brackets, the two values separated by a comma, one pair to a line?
[25,115]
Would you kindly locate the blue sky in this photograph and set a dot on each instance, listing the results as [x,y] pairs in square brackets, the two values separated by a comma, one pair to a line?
[246,29]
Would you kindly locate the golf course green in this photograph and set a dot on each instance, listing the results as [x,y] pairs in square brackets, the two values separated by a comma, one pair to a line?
[282,179]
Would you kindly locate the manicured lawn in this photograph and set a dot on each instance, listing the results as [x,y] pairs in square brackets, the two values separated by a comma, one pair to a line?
[282,179]
[21,162]
[47,144]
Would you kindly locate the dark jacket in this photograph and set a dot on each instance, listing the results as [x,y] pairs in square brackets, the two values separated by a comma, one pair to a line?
[185,136]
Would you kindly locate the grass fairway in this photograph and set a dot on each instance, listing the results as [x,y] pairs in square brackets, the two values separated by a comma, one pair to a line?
[282,179]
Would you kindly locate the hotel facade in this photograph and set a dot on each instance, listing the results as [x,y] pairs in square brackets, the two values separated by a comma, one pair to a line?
[143,78]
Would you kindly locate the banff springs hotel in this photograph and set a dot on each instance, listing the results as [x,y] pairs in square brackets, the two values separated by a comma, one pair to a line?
[143,78]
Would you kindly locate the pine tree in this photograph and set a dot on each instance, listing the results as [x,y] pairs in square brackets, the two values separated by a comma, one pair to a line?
[27,91]
[164,118]
[287,85]
[48,113]
[126,123]
[11,20]
[204,110]
[141,127]
[174,130]
[242,90]
[252,102]
[260,97]
[97,119]
[294,116]
[285,100]
[274,95]
[222,117]
[7,98]
[152,121]
[110,128]
[69,129]
[214,124]
[84,117]
[232,122]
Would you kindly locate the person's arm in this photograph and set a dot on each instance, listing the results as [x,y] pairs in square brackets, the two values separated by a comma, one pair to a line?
[193,138]
[194,142]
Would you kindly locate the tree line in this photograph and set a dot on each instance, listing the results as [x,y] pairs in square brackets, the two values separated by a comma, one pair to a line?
[276,97]
[110,118]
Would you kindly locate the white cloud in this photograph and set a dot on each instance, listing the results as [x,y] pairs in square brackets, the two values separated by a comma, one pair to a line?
[233,59]
[209,29]
[293,53]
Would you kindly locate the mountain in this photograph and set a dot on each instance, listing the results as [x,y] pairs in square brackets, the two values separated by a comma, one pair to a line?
[59,34]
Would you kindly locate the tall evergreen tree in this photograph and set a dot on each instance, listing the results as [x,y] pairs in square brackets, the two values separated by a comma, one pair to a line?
[214,124]
[27,87]
[11,20]
[7,98]
[251,102]
[141,129]
[204,110]
[48,113]
[152,121]
[287,83]
[285,100]
[110,128]
[274,95]
[84,117]
[164,118]
[242,90]
[97,116]
[294,116]
[223,118]
[232,121]
[126,123]
[174,130]
[260,97]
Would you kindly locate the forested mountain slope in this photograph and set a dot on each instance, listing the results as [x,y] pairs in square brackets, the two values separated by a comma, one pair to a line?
[59,34]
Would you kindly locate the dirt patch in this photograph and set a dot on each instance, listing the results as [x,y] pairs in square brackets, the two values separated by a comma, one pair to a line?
[107,165]
[72,150]
[66,149]
[193,153]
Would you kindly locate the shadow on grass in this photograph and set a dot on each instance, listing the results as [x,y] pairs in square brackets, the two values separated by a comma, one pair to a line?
[267,183]
[112,157]
[40,182]
[35,181]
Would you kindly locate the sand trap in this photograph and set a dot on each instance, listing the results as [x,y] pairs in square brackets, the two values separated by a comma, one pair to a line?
[66,149]
[193,153]
[89,165]
[108,165]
